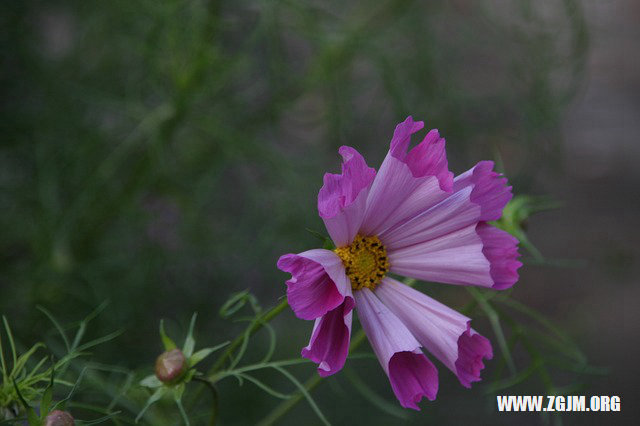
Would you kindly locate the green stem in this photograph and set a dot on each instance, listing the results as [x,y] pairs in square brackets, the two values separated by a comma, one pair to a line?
[494,319]
[252,329]
[312,382]
[214,398]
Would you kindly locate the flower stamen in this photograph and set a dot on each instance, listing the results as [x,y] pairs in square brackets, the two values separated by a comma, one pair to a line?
[365,261]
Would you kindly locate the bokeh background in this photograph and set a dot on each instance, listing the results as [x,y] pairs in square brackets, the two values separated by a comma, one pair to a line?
[162,155]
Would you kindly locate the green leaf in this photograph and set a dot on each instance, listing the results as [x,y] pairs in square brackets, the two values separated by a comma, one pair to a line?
[166,340]
[235,302]
[178,391]
[272,342]
[5,376]
[203,353]
[32,417]
[376,400]
[188,376]
[12,344]
[263,386]
[47,397]
[151,381]
[24,358]
[159,393]
[62,403]
[177,396]
[319,235]
[494,319]
[98,420]
[305,393]
[57,325]
[190,343]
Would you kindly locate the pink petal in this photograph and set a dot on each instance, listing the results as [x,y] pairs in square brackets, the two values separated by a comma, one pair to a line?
[472,348]
[490,190]
[501,249]
[454,258]
[407,183]
[318,282]
[412,377]
[329,344]
[441,330]
[411,374]
[453,213]
[342,198]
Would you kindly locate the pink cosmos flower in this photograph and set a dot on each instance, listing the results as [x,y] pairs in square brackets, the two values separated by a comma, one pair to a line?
[412,218]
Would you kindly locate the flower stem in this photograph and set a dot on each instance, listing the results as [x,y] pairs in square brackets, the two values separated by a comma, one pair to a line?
[214,398]
[251,329]
[313,381]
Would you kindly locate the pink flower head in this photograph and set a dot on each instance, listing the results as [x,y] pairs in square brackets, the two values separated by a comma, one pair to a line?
[412,218]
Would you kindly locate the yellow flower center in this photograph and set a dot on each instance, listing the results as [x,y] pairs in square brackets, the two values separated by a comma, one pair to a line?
[365,261]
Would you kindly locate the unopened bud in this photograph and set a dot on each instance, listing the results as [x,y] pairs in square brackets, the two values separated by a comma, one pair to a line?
[59,418]
[170,366]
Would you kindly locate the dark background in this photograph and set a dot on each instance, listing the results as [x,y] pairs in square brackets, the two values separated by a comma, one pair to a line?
[162,155]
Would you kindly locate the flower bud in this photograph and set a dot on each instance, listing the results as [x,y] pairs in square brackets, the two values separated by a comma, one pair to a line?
[59,418]
[170,366]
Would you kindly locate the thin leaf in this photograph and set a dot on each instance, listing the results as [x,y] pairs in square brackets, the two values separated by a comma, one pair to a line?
[83,324]
[189,342]
[546,323]
[32,417]
[24,358]
[99,340]
[159,393]
[178,391]
[305,393]
[57,325]
[12,344]
[243,347]
[79,335]
[96,421]
[166,340]
[5,375]
[151,381]
[375,399]
[272,342]
[494,319]
[263,386]
[63,402]
[520,377]
[203,353]
[183,413]
[234,303]
[47,397]
[37,367]
[319,235]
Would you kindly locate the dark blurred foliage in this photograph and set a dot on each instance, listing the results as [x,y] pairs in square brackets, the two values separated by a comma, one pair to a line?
[163,154]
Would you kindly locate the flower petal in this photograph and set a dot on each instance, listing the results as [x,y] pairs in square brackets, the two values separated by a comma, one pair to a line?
[453,213]
[411,374]
[490,190]
[472,348]
[407,183]
[318,282]
[329,344]
[412,377]
[454,258]
[501,249]
[441,330]
[342,198]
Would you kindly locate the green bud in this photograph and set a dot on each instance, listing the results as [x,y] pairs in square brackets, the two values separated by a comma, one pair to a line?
[170,366]
[59,418]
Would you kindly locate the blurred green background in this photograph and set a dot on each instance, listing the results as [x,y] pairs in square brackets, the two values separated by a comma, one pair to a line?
[162,154]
